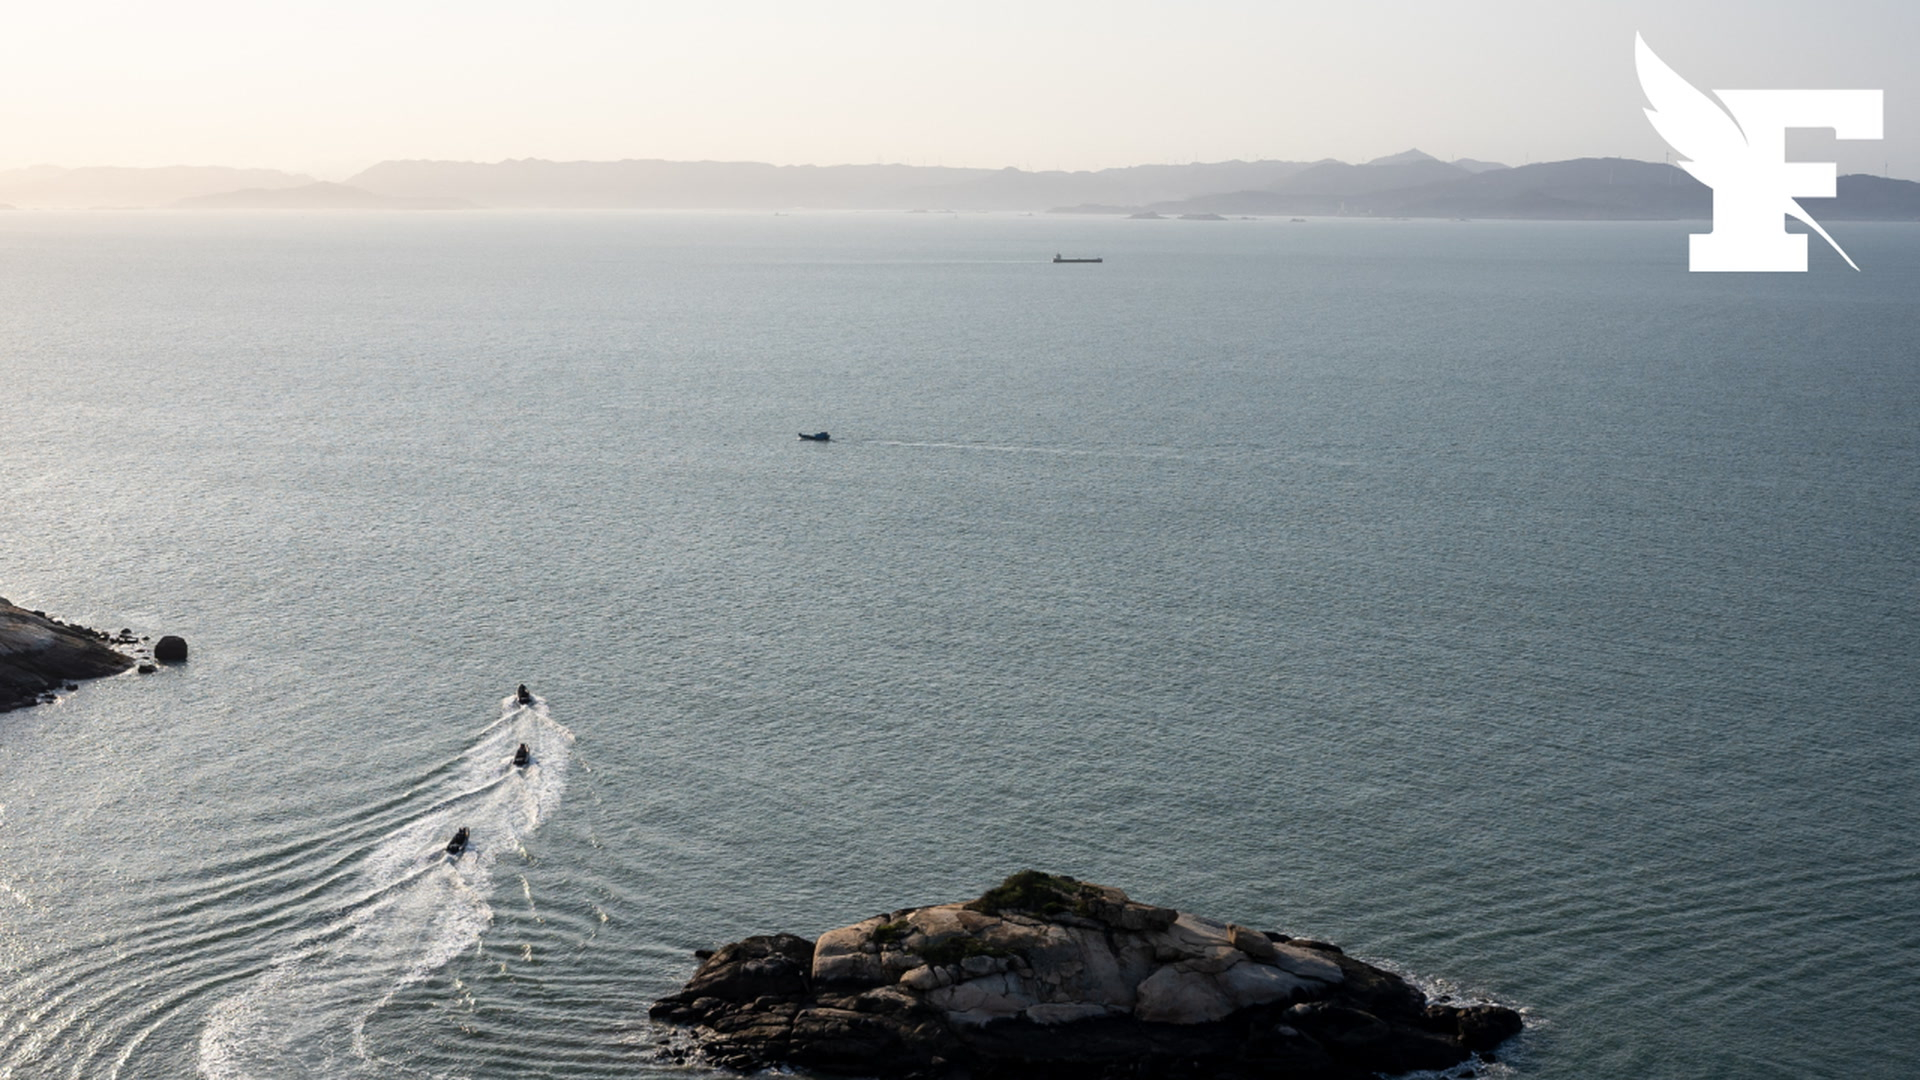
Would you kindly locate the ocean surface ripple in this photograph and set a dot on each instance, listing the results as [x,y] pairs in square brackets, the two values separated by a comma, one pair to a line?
[1498,600]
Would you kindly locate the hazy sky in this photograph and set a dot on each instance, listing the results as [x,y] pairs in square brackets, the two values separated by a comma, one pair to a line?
[330,88]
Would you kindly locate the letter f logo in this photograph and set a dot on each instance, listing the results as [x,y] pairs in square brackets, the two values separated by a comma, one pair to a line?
[1743,158]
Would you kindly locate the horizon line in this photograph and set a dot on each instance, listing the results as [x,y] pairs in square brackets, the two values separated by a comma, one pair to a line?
[812,165]
[1886,174]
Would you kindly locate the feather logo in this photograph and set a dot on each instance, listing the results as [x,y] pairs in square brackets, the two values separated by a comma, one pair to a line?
[1740,152]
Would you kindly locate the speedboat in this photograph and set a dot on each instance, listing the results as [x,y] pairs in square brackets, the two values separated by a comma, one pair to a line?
[458,844]
[818,436]
[522,757]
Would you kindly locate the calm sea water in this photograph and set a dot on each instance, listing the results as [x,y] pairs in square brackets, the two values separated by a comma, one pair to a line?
[1499,600]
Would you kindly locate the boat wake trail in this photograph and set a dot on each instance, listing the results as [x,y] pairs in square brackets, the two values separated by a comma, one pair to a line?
[410,909]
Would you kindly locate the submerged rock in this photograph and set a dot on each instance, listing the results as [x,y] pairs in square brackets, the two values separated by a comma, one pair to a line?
[1048,976]
[39,654]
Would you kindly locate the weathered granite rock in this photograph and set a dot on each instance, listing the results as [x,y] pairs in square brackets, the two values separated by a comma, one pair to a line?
[39,654]
[1048,976]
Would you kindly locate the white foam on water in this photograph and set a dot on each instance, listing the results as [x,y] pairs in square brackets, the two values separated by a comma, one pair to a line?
[414,910]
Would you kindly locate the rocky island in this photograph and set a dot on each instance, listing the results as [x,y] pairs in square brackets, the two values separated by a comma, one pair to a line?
[1049,976]
[40,654]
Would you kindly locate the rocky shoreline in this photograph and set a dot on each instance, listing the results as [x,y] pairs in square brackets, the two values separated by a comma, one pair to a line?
[40,655]
[1049,976]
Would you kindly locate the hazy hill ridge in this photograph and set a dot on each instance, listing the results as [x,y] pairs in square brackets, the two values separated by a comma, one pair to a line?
[651,184]
[53,188]
[1611,188]
[1407,184]
[1596,189]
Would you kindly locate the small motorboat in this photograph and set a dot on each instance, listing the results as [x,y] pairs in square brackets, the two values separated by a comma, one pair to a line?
[818,436]
[458,844]
[522,757]
[525,697]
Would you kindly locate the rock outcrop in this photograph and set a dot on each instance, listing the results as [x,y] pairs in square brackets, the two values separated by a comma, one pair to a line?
[40,654]
[1048,976]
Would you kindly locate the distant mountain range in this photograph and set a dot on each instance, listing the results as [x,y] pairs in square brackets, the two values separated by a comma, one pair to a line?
[1409,184]
[1584,189]
[751,186]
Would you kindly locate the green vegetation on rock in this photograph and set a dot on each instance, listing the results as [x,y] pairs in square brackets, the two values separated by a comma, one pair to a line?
[891,933]
[1031,890]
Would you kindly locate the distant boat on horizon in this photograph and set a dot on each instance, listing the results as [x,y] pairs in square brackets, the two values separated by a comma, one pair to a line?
[1063,259]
